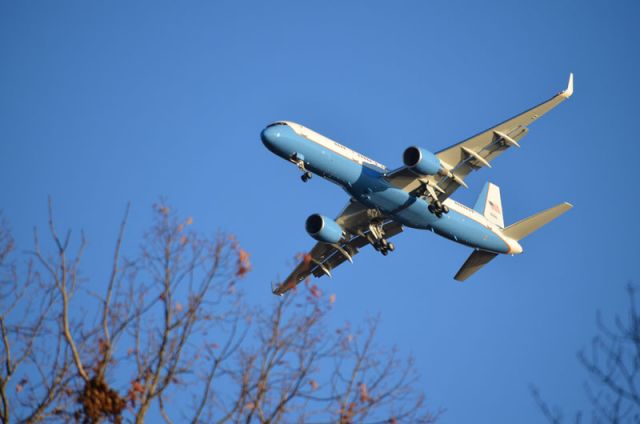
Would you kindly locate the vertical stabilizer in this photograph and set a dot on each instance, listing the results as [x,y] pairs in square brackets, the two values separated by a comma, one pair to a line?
[489,204]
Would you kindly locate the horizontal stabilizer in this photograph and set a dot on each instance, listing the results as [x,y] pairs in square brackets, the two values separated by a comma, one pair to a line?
[474,262]
[523,228]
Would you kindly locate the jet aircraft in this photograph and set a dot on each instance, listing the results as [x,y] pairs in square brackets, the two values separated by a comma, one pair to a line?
[417,195]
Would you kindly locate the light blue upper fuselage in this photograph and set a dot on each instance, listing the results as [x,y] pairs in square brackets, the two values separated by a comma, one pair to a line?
[367,184]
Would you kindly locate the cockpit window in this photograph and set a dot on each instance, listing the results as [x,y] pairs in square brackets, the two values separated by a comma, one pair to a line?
[276,123]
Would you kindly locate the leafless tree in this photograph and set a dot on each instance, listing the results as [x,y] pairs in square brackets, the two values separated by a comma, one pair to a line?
[170,333]
[613,366]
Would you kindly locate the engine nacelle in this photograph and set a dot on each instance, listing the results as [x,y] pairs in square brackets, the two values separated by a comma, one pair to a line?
[421,161]
[323,229]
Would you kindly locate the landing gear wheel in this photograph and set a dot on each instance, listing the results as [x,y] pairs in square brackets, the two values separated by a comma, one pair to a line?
[384,247]
[306,176]
[438,209]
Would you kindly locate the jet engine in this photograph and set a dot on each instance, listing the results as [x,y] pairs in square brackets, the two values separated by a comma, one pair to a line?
[323,229]
[421,161]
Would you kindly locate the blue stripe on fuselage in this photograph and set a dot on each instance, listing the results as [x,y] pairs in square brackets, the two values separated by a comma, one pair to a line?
[374,191]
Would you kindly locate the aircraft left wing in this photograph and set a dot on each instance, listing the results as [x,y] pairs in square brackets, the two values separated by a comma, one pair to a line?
[324,257]
[478,151]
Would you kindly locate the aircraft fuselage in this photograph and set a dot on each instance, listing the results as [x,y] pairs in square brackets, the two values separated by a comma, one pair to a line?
[364,179]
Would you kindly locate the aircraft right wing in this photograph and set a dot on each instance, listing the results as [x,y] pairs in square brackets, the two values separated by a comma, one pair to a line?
[477,151]
[324,257]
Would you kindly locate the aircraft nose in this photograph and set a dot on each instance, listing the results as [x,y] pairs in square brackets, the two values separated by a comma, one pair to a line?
[270,136]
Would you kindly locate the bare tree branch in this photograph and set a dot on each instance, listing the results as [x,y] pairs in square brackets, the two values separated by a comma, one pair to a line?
[173,323]
[613,366]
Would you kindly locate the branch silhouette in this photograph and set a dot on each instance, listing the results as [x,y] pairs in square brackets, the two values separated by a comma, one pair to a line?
[612,364]
[171,333]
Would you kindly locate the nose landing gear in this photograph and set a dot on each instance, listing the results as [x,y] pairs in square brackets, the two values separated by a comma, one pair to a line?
[298,159]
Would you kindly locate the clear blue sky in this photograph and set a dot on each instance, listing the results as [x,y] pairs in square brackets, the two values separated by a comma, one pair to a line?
[106,102]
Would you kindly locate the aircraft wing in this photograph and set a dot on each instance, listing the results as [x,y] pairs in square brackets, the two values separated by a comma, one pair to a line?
[478,151]
[325,257]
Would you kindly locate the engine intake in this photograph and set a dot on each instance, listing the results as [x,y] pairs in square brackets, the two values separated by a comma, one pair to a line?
[323,229]
[421,161]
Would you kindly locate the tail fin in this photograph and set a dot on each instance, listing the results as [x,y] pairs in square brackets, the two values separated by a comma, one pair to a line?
[474,262]
[489,204]
[523,228]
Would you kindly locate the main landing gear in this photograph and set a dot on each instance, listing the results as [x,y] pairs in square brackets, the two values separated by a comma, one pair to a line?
[429,194]
[384,247]
[436,207]
[306,176]
[377,239]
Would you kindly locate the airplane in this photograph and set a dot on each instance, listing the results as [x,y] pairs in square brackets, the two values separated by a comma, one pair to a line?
[416,195]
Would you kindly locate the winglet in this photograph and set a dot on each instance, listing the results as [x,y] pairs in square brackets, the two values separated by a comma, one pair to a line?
[274,290]
[569,91]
